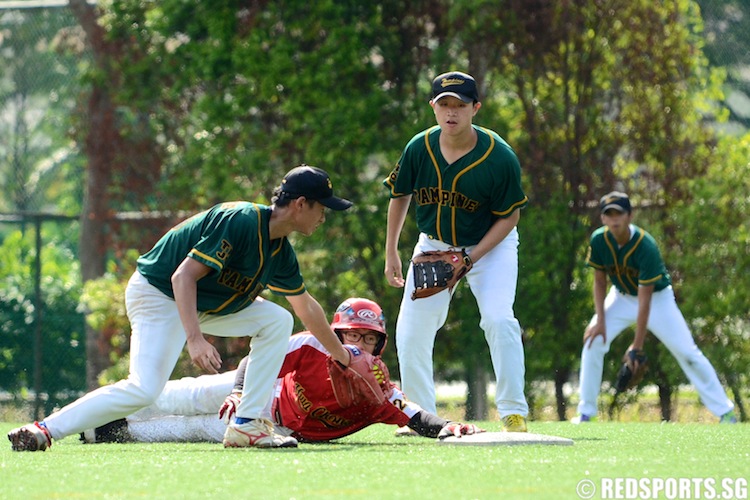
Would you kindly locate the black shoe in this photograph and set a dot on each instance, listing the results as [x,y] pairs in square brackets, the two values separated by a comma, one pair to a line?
[113,432]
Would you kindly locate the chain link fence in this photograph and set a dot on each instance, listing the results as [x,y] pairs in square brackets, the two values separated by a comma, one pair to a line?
[42,338]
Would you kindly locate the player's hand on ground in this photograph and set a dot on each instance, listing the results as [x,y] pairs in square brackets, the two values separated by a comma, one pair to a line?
[229,407]
[204,355]
[458,429]
[593,331]
[394,270]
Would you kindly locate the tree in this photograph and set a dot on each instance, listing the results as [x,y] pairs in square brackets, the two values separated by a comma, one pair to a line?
[193,104]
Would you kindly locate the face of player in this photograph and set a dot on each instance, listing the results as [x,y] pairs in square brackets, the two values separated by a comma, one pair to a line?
[365,339]
[453,115]
[309,216]
[618,223]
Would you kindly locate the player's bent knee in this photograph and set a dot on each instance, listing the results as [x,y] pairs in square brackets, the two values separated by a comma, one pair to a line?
[285,321]
[136,395]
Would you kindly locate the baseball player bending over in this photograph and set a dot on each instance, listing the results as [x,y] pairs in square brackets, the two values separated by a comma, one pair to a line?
[641,294]
[204,276]
[466,182]
[303,403]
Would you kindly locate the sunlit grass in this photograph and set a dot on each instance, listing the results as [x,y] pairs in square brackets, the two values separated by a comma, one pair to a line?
[375,464]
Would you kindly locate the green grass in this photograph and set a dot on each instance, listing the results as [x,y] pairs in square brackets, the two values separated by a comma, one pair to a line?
[374,464]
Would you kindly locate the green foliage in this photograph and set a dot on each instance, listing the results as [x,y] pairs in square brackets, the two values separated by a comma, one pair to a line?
[592,97]
[715,234]
[51,319]
[239,96]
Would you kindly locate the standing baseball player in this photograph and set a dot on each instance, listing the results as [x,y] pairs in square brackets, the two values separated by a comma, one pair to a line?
[641,295]
[466,182]
[304,404]
[204,277]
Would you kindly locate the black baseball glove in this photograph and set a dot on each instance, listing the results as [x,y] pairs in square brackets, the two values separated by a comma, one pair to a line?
[634,367]
[438,270]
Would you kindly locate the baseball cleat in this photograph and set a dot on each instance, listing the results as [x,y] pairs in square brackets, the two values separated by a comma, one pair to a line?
[405,431]
[113,432]
[728,418]
[582,419]
[31,437]
[258,433]
[514,423]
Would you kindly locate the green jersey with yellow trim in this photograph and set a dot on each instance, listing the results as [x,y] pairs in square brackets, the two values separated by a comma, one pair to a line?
[458,203]
[233,240]
[638,262]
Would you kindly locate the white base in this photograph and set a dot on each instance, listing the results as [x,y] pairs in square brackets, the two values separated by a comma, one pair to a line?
[505,439]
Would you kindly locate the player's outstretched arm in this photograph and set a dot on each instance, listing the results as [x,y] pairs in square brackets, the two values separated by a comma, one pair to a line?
[428,425]
[309,311]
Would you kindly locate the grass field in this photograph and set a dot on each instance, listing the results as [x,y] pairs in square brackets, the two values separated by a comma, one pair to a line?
[375,464]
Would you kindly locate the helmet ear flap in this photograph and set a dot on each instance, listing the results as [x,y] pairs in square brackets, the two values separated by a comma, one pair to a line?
[380,345]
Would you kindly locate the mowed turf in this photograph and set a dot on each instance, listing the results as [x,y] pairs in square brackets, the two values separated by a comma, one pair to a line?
[375,464]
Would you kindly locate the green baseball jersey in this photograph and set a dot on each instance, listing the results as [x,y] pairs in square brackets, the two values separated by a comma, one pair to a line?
[458,203]
[233,240]
[638,262]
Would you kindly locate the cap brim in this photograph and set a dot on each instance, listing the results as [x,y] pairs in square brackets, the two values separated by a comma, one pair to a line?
[335,203]
[462,97]
[615,206]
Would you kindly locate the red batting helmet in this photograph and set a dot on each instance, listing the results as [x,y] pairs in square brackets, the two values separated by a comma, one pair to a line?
[361,313]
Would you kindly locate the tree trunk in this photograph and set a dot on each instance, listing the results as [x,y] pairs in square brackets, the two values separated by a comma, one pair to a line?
[561,376]
[101,143]
[476,398]
[93,245]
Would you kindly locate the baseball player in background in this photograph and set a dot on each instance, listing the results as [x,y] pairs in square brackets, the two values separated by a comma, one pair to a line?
[204,276]
[641,294]
[303,403]
[466,182]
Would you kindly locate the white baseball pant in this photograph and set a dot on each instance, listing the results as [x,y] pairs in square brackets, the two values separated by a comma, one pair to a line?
[157,338]
[185,411]
[492,281]
[667,323]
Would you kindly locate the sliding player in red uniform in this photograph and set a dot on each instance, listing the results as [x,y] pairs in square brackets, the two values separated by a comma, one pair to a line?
[303,403]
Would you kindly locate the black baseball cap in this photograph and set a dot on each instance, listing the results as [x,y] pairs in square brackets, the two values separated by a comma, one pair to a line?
[314,184]
[456,84]
[615,200]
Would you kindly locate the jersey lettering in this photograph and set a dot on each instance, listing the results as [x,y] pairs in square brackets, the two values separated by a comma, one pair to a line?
[452,199]
[302,400]
[329,419]
[614,270]
[234,280]
[394,174]
[321,414]
[399,403]
[226,249]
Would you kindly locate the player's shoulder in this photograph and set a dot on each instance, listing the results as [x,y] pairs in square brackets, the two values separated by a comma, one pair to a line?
[644,237]
[304,340]
[238,209]
[598,234]
[498,148]
[420,139]
[487,135]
